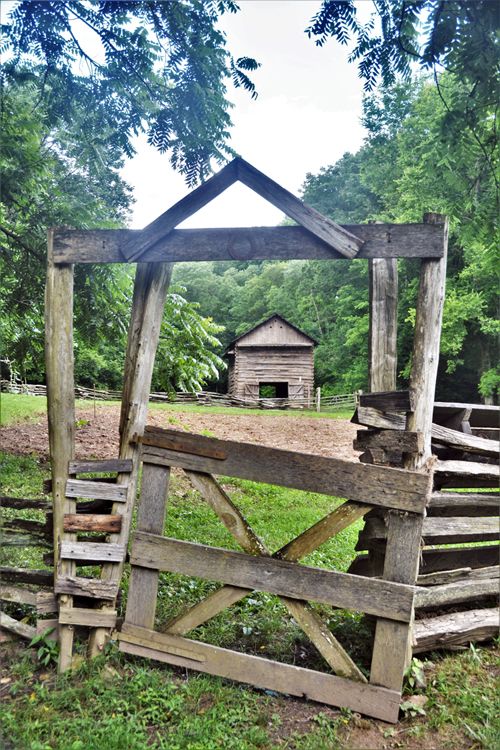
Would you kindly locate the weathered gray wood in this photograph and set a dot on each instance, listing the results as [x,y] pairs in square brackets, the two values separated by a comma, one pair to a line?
[59,369]
[284,678]
[95,588]
[150,291]
[461,574]
[26,575]
[461,441]
[439,531]
[451,470]
[275,576]
[343,242]
[21,503]
[117,493]
[464,504]
[98,465]
[370,417]
[456,422]
[92,618]
[52,625]
[14,626]
[46,601]
[482,415]
[92,551]
[455,629]
[383,486]
[78,522]
[389,440]
[266,243]
[143,586]
[455,593]
[18,595]
[392,401]
[426,341]
[134,248]
[21,532]
[434,560]
[383,327]
[305,615]
[392,644]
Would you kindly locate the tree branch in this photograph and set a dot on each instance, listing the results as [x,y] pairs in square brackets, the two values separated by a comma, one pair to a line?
[19,241]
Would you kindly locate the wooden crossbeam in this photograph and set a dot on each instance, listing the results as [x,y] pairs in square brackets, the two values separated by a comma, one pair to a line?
[390,488]
[304,614]
[284,678]
[96,490]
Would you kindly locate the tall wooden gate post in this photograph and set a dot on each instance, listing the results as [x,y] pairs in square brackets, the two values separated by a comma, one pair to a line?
[150,290]
[426,341]
[59,368]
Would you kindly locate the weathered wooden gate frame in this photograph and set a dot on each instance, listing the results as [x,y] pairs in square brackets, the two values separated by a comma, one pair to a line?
[155,249]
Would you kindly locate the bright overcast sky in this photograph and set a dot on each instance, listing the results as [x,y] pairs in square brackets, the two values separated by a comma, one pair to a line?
[305,117]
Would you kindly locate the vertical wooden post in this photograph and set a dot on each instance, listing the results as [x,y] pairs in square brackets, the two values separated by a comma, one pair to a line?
[382,341]
[318,399]
[143,587]
[426,341]
[59,369]
[150,290]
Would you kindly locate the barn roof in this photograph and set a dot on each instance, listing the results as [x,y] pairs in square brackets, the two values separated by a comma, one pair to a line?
[262,323]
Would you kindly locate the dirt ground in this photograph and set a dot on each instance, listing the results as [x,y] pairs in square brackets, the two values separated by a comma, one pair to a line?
[97,435]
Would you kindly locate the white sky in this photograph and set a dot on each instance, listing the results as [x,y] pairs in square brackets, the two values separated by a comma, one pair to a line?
[305,117]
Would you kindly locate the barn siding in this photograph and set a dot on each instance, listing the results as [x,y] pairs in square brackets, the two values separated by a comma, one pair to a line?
[291,364]
[274,332]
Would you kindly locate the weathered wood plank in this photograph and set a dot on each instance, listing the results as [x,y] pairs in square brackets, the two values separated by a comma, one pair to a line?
[79,522]
[275,576]
[59,369]
[466,469]
[343,242]
[383,486]
[117,493]
[455,593]
[456,530]
[95,588]
[92,618]
[21,532]
[370,417]
[92,551]
[14,626]
[434,560]
[46,601]
[150,291]
[26,575]
[143,586]
[174,445]
[464,504]
[283,678]
[461,574]
[18,595]
[52,625]
[98,465]
[389,440]
[266,243]
[389,400]
[462,441]
[392,644]
[21,503]
[383,324]
[455,629]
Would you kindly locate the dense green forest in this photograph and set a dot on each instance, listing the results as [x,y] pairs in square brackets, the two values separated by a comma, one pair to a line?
[431,145]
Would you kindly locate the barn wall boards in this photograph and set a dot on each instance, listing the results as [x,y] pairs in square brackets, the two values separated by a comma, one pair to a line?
[155,249]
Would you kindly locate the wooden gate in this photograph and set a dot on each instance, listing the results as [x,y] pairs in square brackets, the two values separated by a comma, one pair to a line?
[389,599]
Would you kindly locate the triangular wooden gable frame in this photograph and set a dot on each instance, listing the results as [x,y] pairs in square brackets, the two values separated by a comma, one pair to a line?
[239,170]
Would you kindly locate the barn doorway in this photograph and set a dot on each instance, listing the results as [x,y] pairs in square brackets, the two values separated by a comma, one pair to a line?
[273,390]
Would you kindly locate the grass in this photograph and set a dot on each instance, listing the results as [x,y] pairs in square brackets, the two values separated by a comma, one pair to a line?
[16,408]
[130,703]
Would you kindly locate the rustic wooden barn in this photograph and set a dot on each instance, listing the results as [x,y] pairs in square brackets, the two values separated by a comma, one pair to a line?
[272,353]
